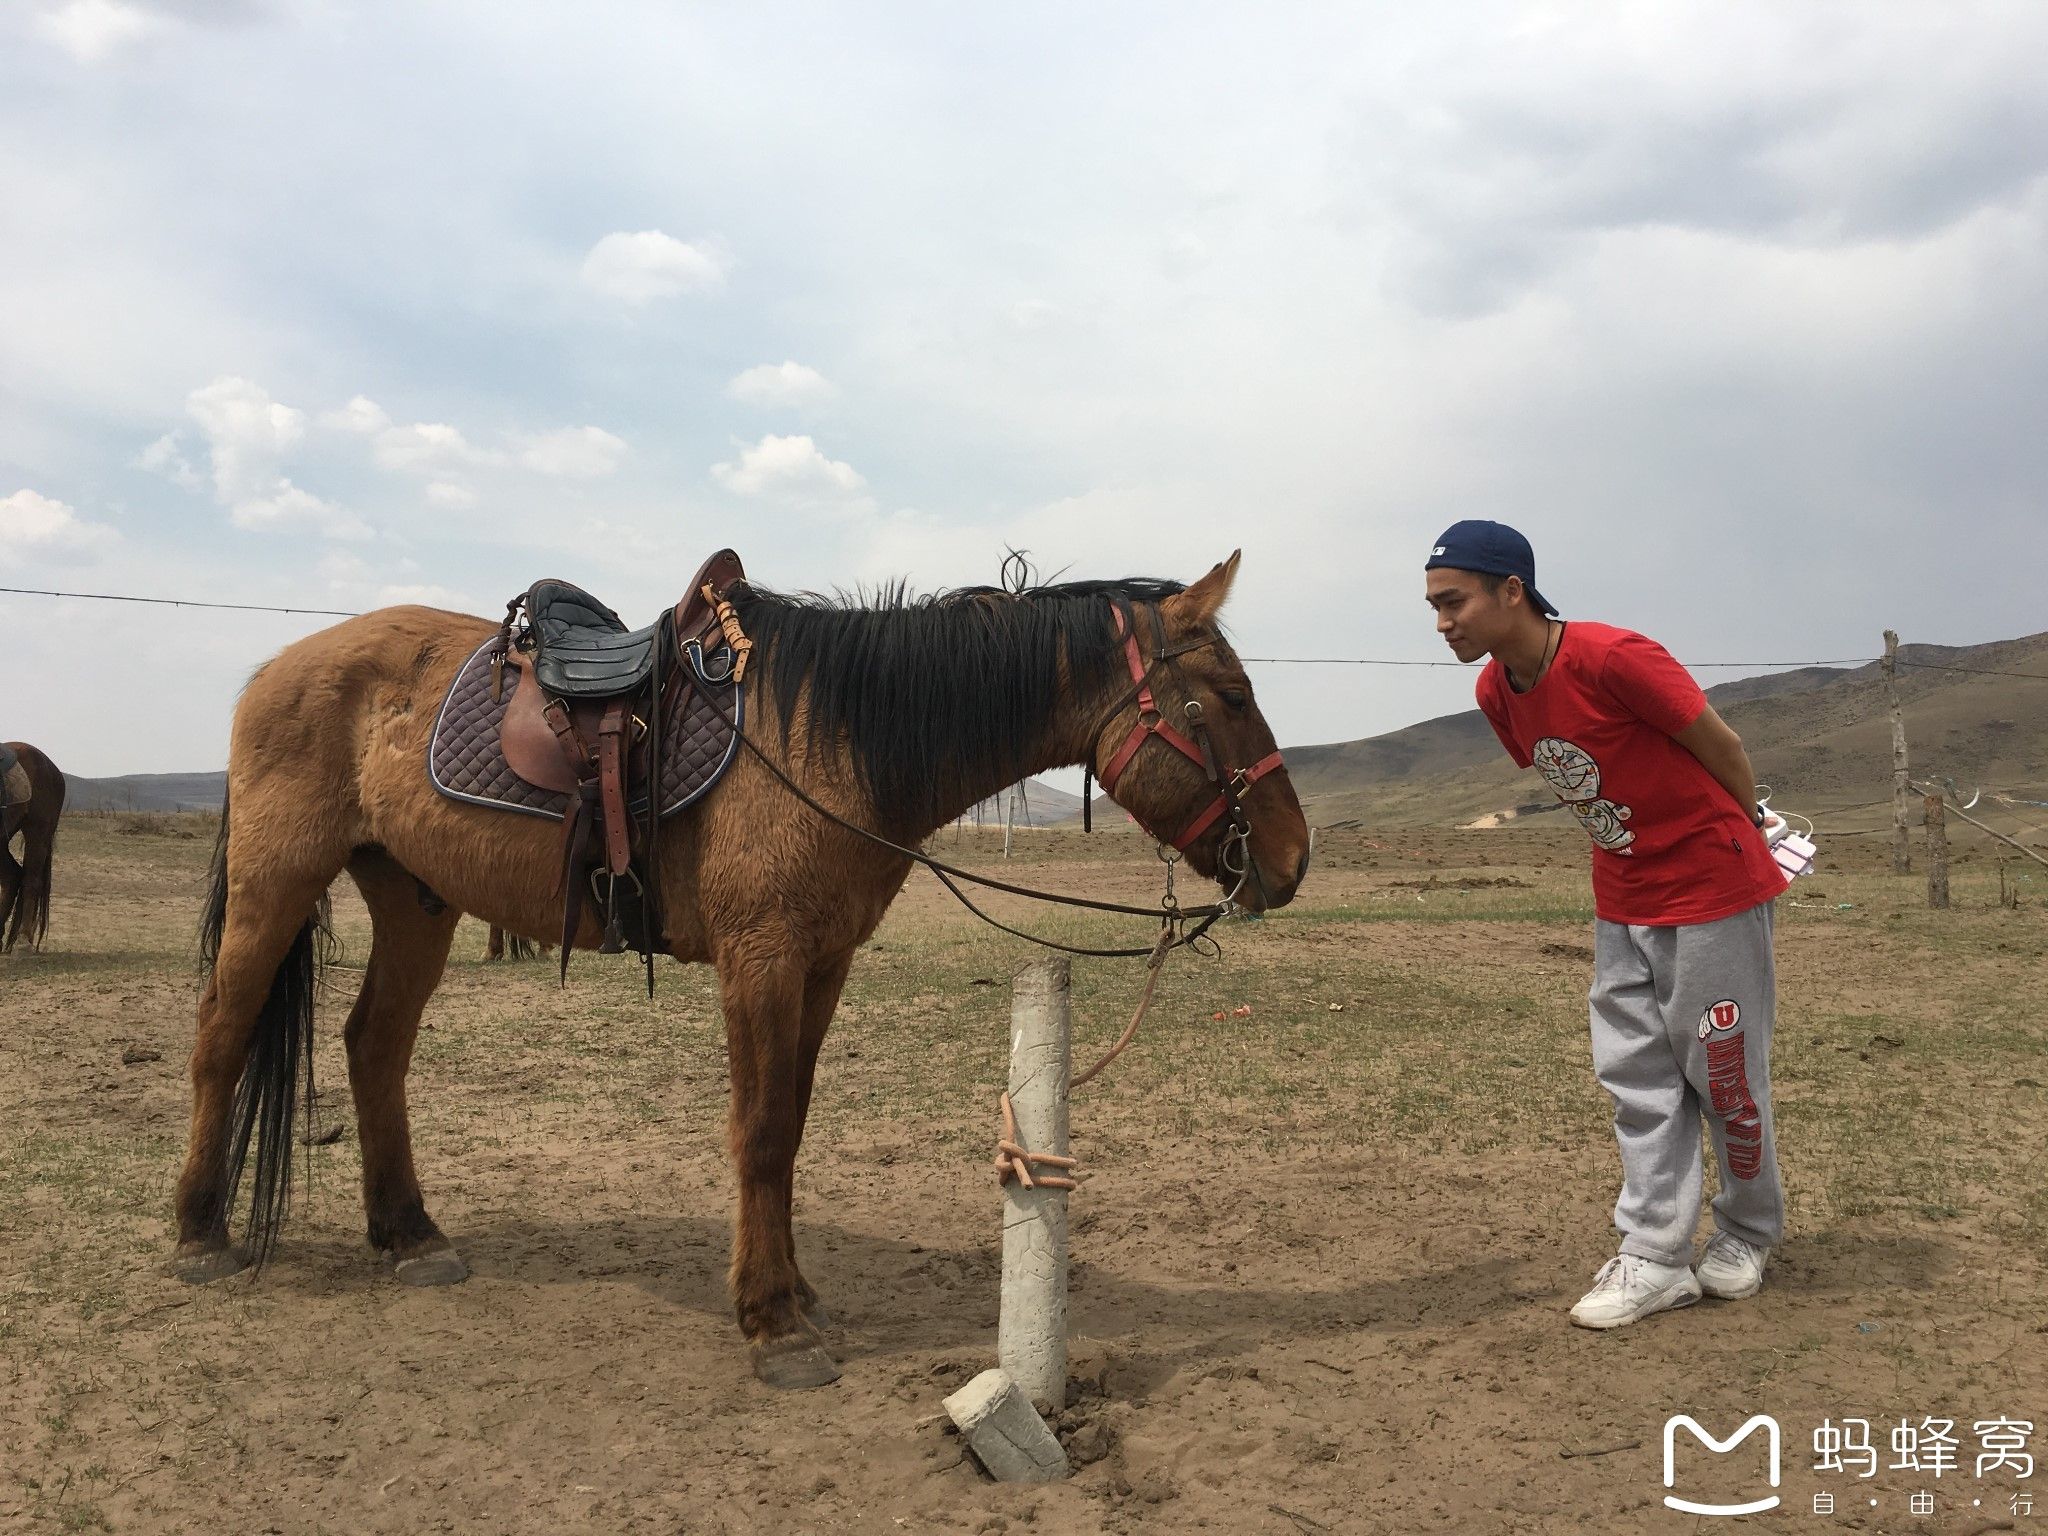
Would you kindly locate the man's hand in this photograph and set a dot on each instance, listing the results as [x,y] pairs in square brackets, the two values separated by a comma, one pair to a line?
[1719,749]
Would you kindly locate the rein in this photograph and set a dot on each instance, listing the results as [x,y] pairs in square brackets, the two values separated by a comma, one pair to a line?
[1174,918]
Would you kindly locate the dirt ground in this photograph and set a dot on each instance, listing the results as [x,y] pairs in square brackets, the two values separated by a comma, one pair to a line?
[1323,1256]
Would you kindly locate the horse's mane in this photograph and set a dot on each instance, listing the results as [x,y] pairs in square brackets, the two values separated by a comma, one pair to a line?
[933,693]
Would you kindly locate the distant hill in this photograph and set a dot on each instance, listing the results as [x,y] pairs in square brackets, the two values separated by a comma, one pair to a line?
[147,792]
[1819,736]
[1038,804]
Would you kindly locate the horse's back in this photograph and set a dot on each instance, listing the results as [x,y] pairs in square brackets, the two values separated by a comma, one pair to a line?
[312,711]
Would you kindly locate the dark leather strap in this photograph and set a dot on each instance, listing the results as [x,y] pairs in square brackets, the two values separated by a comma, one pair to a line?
[611,784]
[575,864]
[1230,787]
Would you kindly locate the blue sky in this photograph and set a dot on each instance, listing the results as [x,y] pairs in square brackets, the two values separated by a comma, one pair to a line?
[1737,309]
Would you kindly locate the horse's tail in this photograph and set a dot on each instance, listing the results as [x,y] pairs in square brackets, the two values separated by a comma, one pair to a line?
[30,918]
[280,1065]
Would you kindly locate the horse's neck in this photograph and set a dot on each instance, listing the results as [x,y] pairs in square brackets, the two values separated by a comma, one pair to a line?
[1063,743]
[1064,740]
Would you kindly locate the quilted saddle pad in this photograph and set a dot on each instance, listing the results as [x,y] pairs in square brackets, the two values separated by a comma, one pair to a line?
[466,760]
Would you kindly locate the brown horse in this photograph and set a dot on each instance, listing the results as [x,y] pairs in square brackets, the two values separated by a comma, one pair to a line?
[510,946]
[896,716]
[25,883]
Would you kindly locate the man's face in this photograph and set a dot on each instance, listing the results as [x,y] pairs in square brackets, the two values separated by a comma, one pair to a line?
[1471,619]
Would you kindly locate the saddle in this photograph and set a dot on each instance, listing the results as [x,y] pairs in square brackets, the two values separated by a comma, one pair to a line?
[568,714]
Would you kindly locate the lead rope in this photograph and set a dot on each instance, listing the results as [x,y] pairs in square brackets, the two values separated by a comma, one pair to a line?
[1013,1160]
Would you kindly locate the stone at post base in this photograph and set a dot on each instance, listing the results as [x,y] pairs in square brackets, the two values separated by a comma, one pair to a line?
[1005,1432]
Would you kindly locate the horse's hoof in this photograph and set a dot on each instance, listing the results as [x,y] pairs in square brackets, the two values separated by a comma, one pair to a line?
[441,1266]
[200,1266]
[792,1364]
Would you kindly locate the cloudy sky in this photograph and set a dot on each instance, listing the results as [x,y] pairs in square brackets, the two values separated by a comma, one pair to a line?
[1740,310]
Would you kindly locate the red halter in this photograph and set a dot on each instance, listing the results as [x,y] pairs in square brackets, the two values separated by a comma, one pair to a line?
[1151,723]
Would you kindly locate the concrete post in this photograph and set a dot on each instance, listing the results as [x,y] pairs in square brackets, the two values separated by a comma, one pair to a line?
[1031,1342]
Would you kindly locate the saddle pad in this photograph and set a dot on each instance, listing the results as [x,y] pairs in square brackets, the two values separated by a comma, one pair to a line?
[467,762]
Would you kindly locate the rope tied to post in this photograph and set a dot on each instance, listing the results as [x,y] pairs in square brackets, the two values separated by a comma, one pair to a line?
[1013,1160]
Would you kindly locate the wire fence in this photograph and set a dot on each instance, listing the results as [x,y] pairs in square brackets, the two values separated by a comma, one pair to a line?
[1271,661]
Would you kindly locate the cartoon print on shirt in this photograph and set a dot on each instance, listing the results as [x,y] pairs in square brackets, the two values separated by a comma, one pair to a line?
[1570,770]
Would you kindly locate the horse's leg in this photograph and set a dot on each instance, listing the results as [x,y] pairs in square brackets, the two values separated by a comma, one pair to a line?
[822,987]
[10,889]
[266,916]
[495,948]
[764,1024]
[408,951]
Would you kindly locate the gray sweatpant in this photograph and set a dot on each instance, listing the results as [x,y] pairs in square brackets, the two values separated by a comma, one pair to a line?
[1682,1029]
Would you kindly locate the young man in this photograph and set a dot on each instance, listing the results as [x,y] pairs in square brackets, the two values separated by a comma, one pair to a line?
[1683,992]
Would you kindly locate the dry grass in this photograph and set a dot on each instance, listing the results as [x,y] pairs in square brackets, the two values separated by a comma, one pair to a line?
[1411,1011]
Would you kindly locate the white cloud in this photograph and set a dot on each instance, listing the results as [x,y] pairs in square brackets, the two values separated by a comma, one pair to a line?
[36,524]
[166,457]
[248,436]
[781,384]
[787,466]
[582,453]
[435,449]
[425,446]
[286,504]
[636,268]
[92,31]
[1029,315]
[427,594]
[341,568]
[361,415]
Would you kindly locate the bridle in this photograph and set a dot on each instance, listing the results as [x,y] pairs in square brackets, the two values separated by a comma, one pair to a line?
[1235,855]
[1180,927]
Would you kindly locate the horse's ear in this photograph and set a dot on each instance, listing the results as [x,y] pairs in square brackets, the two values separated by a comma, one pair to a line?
[1204,599]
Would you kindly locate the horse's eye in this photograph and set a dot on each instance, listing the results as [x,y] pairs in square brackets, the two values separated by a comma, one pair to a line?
[1236,698]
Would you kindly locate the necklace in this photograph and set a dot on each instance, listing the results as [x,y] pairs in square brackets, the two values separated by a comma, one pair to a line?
[1553,637]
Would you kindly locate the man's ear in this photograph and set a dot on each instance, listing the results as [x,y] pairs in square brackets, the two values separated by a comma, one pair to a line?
[1204,599]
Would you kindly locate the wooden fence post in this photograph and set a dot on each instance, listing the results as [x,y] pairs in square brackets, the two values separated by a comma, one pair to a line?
[1902,856]
[1937,855]
[1031,1337]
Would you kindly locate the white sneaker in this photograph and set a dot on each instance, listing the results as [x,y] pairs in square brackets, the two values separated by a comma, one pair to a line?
[1629,1288]
[1731,1268]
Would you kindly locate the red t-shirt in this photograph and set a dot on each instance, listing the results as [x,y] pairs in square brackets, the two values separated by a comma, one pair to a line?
[1670,844]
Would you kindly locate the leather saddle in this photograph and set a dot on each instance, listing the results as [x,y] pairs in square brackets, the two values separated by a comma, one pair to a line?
[567,713]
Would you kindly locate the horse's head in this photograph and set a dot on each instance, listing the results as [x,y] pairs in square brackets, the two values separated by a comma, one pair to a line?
[1186,751]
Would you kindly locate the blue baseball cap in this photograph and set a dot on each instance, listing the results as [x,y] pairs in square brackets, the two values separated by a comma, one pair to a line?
[1494,549]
